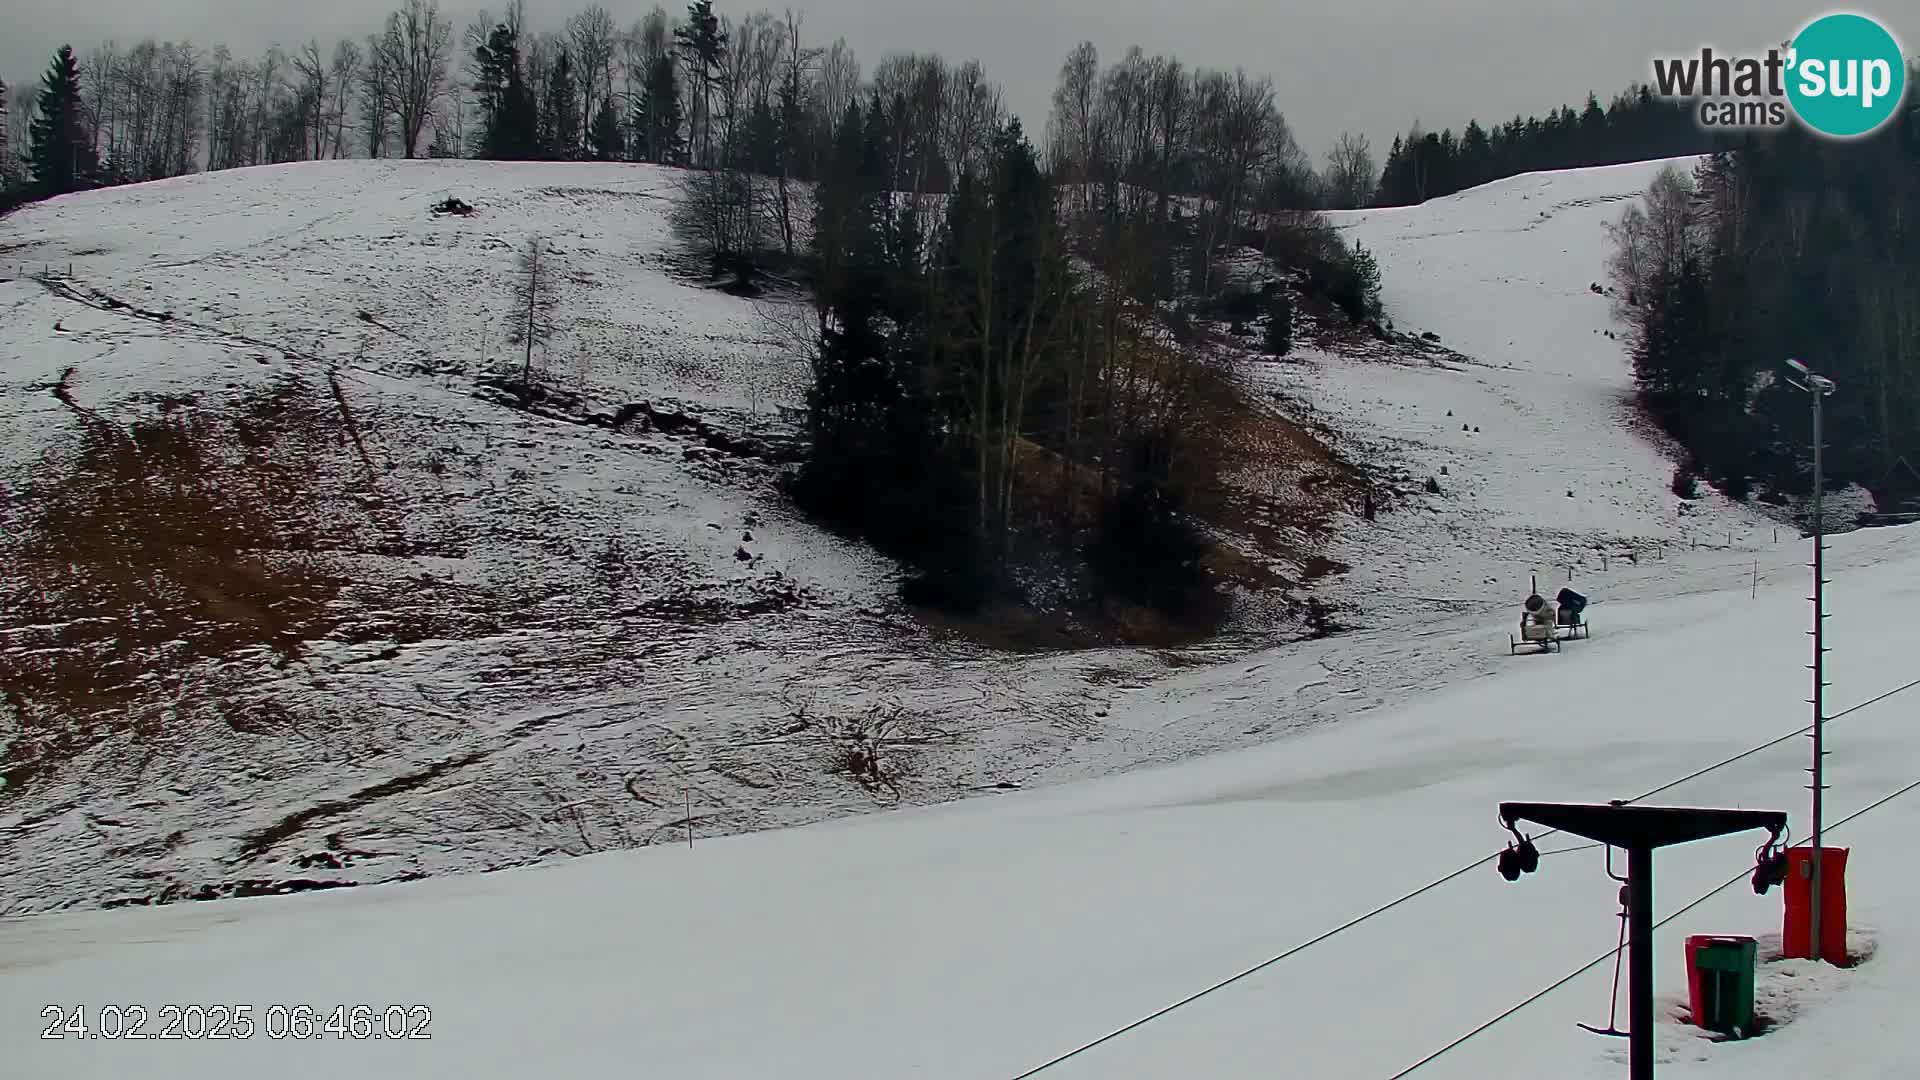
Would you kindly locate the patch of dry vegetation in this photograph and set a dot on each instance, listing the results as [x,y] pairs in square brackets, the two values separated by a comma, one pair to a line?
[138,564]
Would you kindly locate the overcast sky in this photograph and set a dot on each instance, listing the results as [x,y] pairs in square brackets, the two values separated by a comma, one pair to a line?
[1373,66]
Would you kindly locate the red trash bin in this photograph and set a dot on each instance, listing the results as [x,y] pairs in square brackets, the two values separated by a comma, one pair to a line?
[1797,933]
[1694,996]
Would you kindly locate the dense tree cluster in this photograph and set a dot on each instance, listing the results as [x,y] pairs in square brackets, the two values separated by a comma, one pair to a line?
[1786,245]
[994,390]
[978,408]
[1635,126]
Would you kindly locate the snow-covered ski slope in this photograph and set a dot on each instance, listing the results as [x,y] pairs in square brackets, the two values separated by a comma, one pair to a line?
[492,692]
[1544,461]
[343,260]
[983,938]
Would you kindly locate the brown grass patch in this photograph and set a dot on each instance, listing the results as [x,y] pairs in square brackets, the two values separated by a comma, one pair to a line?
[1265,486]
[185,536]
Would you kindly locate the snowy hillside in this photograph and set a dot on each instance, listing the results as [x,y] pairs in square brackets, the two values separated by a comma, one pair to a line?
[983,939]
[394,625]
[1545,464]
[390,623]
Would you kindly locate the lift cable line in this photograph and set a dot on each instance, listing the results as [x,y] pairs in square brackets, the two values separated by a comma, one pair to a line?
[1743,875]
[1296,950]
[1434,884]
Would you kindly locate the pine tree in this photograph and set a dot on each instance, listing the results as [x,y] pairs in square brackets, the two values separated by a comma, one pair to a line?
[508,127]
[1667,364]
[606,138]
[1593,133]
[703,47]
[1476,156]
[560,126]
[519,138]
[63,155]
[657,116]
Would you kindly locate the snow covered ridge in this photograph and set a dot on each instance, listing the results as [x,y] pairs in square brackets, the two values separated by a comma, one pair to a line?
[984,938]
[418,631]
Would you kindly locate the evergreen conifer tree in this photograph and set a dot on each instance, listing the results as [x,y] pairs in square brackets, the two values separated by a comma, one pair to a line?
[560,126]
[509,128]
[657,115]
[63,155]
[606,139]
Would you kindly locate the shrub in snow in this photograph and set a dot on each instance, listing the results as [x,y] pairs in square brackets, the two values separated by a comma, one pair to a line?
[1433,486]
[1280,325]
[1686,483]
[1320,621]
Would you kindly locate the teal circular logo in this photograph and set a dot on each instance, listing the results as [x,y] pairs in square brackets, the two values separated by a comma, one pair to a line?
[1846,75]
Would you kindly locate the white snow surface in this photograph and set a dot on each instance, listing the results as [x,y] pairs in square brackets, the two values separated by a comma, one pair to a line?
[1546,464]
[975,938]
[982,938]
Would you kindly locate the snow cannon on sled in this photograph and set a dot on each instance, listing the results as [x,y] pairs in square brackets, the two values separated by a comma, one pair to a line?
[1545,624]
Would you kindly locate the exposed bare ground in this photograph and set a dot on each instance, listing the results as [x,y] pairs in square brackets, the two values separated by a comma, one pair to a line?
[174,540]
[165,570]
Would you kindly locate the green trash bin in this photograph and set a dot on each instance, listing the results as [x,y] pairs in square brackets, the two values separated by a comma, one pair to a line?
[1720,974]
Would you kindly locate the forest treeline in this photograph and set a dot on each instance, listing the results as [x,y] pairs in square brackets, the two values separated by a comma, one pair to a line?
[655,91]
[1786,245]
[1635,126]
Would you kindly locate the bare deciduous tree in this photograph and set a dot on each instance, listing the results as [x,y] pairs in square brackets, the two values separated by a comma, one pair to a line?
[536,295]
[595,40]
[379,81]
[345,71]
[1651,240]
[972,114]
[414,49]
[266,82]
[315,90]
[9,178]
[1072,125]
[1350,172]
[839,82]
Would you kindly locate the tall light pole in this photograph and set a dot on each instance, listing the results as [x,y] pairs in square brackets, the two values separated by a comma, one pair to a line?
[1818,387]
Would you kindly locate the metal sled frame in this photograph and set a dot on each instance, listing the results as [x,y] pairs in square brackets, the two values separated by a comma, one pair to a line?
[1574,631]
